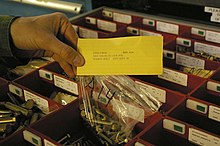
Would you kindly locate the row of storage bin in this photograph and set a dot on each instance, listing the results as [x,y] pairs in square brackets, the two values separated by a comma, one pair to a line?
[190,113]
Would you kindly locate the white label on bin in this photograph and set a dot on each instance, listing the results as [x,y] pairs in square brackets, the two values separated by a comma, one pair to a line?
[148,33]
[138,144]
[212,36]
[41,102]
[168,54]
[133,30]
[106,25]
[149,22]
[198,31]
[167,27]
[196,106]
[158,93]
[189,61]
[210,49]
[174,76]
[202,138]
[32,138]
[16,90]
[216,14]
[132,112]
[45,74]
[66,84]
[90,20]
[107,14]
[87,33]
[214,113]
[48,143]
[211,10]
[213,86]
[215,18]
[174,126]
[183,42]
[123,18]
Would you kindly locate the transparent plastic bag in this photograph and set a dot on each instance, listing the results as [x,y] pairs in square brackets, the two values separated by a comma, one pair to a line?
[112,105]
[32,65]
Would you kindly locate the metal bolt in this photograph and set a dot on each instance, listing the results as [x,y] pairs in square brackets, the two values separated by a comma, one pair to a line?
[29,104]
[7,120]
[5,115]
[64,138]
[81,107]
[34,118]
[102,115]
[102,122]
[106,138]
[115,127]
[5,112]
[17,108]
[83,113]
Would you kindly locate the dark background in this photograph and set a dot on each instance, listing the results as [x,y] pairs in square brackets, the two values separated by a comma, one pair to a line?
[190,10]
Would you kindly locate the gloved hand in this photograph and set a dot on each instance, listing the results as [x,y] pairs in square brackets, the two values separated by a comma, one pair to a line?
[50,35]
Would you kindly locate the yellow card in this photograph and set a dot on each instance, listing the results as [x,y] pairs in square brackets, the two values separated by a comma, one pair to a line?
[136,55]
